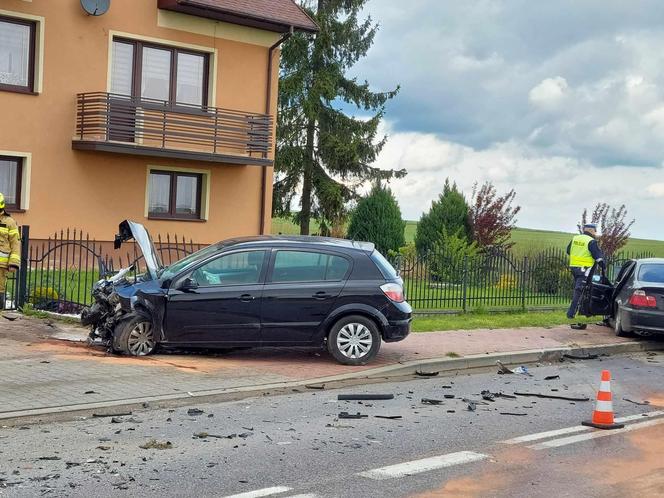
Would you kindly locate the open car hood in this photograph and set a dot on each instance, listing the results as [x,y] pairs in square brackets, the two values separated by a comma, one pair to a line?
[131,230]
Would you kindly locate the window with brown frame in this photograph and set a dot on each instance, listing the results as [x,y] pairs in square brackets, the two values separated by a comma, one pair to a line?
[17,55]
[11,174]
[174,195]
[159,72]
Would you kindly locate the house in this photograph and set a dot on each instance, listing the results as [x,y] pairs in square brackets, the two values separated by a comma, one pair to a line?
[160,111]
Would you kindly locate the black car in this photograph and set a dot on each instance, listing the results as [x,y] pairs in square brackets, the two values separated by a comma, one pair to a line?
[254,291]
[639,298]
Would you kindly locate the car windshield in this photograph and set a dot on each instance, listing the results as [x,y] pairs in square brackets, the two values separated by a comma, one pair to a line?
[652,273]
[170,271]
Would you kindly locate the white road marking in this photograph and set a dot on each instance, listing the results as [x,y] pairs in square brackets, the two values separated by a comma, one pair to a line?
[262,492]
[555,443]
[423,465]
[579,428]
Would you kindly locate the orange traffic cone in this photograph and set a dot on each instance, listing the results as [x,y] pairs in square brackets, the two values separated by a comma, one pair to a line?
[603,414]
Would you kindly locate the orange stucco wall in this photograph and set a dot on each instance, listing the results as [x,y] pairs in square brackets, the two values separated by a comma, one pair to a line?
[94,191]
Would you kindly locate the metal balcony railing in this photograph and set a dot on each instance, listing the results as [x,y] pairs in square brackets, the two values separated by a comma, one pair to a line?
[120,123]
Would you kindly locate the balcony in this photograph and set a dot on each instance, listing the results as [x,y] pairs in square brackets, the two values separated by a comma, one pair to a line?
[130,125]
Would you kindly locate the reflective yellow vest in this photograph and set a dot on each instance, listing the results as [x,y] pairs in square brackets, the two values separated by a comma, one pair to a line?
[579,253]
[10,242]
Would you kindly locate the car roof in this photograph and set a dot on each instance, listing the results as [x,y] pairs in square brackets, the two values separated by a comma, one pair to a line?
[659,261]
[296,241]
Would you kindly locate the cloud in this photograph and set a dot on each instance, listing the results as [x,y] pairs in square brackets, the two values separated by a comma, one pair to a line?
[550,93]
[553,190]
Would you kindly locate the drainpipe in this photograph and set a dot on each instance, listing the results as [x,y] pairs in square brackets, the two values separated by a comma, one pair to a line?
[268,107]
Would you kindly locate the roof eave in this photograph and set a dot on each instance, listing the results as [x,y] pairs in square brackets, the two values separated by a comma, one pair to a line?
[194,9]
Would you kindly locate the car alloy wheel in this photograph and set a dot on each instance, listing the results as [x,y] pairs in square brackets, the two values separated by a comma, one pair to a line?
[354,341]
[141,339]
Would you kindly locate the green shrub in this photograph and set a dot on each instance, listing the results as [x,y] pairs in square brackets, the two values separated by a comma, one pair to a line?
[377,218]
[449,214]
[446,261]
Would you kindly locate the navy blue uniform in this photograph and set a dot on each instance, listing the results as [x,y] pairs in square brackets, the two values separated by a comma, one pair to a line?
[580,276]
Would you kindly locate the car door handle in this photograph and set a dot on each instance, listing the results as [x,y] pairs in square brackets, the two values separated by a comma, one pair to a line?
[245,298]
[322,295]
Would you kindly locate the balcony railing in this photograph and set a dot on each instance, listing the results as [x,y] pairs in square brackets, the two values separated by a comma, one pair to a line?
[131,125]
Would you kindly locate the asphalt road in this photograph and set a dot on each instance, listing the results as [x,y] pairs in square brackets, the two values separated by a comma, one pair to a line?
[296,445]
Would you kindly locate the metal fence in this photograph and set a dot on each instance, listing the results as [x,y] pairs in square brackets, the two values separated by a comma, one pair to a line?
[57,274]
[492,280]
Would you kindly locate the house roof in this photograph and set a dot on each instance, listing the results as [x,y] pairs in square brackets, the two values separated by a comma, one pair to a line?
[271,15]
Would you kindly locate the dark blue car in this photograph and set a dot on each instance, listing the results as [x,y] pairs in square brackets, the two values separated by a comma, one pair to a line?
[255,291]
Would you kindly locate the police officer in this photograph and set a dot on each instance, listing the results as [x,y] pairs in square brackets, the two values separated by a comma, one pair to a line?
[10,249]
[583,252]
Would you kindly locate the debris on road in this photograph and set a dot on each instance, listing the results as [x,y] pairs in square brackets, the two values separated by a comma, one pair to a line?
[49,458]
[472,406]
[90,392]
[552,377]
[420,373]
[580,357]
[640,403]
[116,414]
[346,415]
[448,396]
[488,396]
[514,414]
[364,397]
[153,444]
[554,396]
[502,369]
[428,401]
[315,386]
[389,417]
[192,412]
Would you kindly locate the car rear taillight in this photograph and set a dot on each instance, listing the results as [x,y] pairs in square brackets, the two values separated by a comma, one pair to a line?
[643,300]
[394,292]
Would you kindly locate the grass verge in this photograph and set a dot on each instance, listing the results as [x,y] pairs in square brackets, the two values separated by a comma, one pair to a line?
[468,321]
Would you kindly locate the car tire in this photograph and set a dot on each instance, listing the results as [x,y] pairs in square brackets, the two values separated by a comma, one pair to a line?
[354,340]
[135,336]
[617,324]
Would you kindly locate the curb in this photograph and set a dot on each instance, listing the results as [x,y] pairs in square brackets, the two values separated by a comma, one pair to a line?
[446,366]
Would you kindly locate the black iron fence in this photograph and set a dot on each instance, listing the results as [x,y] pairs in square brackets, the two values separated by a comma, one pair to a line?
[448,281]
[57,274]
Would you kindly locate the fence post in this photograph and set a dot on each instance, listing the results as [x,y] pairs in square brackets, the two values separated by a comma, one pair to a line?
[22,292]
[465,283]
[524,282]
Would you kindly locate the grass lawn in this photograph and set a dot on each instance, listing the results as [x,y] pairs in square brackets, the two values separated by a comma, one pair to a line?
[469,321]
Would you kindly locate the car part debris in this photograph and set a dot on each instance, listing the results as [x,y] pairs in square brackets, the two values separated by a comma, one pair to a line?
[471,406]
[580,357]
[503,395]
[420,373]
[552,377]
[554,396]
[347,415]
[192,412]
[488,396]
[446,387]
[522,370]
[49,458]
[119,414]
[428,401]
[389,417]
[363,397]
[451,411]
[640,403]
[514,414]
[90,392]
[153,444]
[502,369]
[315,386]
[448,396]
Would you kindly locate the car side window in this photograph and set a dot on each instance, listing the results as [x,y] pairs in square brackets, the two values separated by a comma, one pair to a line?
[303,266]
[240,268]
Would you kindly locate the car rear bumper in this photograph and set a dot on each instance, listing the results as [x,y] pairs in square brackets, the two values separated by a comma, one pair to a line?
[396,330]
[651,321]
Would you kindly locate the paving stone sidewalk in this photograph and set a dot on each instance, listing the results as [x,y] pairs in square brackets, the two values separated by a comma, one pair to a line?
[39,371]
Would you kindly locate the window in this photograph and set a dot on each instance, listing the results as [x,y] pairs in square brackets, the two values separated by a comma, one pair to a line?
[241,268]
[652,273]
[159,72]
[300,266]
[17,55]
[11,172]
[174,194]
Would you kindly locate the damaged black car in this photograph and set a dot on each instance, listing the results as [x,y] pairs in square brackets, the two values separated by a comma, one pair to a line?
[250,292]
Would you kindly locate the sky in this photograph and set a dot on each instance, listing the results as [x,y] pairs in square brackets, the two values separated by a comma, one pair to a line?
[562,101]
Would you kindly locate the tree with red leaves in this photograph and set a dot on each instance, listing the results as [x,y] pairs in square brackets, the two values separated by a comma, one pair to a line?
[612,224]
[492,217]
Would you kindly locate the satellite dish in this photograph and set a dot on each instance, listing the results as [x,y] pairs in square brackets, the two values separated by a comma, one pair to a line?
[95,7]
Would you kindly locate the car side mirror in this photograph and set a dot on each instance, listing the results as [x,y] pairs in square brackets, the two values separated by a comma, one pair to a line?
[188,284]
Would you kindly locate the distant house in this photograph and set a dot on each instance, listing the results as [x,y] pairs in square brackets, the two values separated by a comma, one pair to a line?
[160,111]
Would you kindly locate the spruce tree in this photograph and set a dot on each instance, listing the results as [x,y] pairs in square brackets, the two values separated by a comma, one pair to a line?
[323,153]
[448,216]
[377,219]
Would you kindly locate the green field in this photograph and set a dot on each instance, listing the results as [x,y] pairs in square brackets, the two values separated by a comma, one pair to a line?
[526,240]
